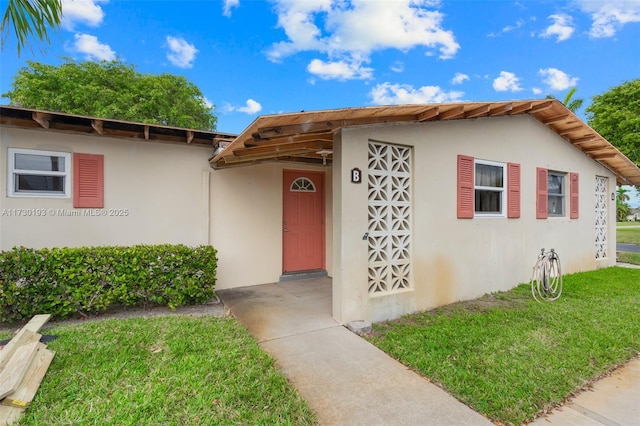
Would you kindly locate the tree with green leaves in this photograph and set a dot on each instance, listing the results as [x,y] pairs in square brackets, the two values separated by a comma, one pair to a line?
[30,18]
[615,114]
[622,207]
[572,105]
[113,90]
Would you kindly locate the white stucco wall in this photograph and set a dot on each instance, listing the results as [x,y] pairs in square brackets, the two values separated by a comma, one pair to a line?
[160,185]
[458,259]
[246,222]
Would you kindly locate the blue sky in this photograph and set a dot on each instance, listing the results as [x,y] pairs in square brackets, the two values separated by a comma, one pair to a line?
[262,57]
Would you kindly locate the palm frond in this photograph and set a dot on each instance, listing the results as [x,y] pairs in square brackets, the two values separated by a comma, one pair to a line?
[30,18]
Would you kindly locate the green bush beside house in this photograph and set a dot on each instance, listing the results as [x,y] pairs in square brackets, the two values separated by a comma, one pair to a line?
[66,281]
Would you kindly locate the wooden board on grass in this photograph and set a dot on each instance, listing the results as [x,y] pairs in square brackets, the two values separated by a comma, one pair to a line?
[14,405]
[37,322]
[16,368]
[23,337]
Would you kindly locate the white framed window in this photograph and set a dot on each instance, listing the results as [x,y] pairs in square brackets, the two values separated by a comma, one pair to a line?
[36,173]
[489,188]
[556,190]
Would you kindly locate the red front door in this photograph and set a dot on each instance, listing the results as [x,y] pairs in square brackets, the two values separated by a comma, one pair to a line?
[303,221]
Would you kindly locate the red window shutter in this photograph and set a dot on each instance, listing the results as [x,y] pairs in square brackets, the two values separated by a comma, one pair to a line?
[88,181]
[513,190]
[465,187]
[542,195]
[574,199]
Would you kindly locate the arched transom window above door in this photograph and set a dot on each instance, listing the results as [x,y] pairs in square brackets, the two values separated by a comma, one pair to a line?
[302,184]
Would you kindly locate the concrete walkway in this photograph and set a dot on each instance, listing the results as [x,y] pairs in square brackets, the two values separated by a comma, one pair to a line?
[613,401]
[345,380]
[348,381]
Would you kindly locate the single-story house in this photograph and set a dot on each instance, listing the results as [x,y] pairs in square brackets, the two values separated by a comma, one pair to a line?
[405,207]
[634,215]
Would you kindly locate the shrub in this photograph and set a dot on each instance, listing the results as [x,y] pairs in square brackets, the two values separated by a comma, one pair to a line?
[66,281]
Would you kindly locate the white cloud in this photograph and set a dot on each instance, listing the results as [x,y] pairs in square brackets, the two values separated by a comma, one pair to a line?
[87,12]
[392,94]
[519,23]
[610,16]
[536,90]
[509,28]
[397,66]
[181,53]
[340,70]
[556,79]
[92,48]
[459,78]
[507,82]
[562,27]
[350,30]
[228,5]
[251,107]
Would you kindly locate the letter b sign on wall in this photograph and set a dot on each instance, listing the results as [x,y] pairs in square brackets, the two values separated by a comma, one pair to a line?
[356,175]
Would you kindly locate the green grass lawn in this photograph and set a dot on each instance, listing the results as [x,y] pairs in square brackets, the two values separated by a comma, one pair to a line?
[628,257]
[628,236]
[510,357]
[627,223]
[174,370]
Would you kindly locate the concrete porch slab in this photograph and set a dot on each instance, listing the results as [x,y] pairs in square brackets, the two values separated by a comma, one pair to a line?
[272,311]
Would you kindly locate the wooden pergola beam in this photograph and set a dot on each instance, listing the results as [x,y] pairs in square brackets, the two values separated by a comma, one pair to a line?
[232,159]
[521,108]
[604,156]
[428,114]
[502,109]
[583,140]
[277,149]
[555,119]
[564,132]
[327,126]
[452,113]
[96,125]
[541,107]
[41,119]
[313,137]
[478,111]
[595,148]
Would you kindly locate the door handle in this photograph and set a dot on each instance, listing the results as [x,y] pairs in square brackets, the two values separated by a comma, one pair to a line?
[285,230]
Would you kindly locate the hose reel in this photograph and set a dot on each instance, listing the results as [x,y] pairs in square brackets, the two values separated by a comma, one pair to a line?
[546,280]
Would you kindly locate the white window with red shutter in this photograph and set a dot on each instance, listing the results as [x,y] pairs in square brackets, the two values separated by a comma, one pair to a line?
[487,188]
[48,174]
[553,189]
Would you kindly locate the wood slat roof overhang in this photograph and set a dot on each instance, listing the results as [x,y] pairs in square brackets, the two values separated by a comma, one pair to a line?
[70,123]
[307,137]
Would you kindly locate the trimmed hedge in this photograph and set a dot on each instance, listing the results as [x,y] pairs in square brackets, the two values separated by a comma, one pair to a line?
[67,281]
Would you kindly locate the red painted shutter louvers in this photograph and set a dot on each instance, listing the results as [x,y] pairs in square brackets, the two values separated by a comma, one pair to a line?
[465,187]
[88,181]
[542,188]
[574,197]
[513,190]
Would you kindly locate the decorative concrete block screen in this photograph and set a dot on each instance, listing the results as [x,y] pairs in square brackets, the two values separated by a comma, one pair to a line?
[389,184]
[601,217]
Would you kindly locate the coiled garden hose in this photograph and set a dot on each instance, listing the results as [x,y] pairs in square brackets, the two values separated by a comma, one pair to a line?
[546,280]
